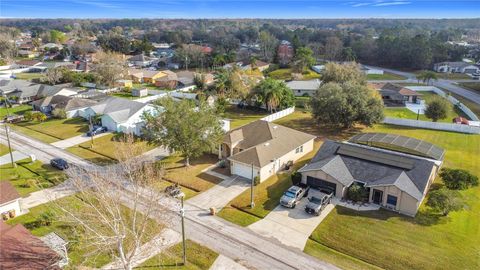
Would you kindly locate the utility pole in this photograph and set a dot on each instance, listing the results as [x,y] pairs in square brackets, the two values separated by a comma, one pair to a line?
[91,130]
[252,203]
[9,146]
[182,212]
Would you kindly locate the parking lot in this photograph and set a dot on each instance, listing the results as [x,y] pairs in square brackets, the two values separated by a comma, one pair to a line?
[291,227]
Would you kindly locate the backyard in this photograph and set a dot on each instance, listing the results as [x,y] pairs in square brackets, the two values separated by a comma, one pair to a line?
[286,74]
[384,76]
[240,117]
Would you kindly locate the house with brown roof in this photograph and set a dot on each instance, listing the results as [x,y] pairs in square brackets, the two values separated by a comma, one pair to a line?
[262,148]
[169,81]
[397,95]
[145,75]
[20,250]
[9,201]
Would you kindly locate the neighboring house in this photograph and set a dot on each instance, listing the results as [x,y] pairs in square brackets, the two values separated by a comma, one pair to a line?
[124,83]
[57,244]
[187,78]
[19,249]
[262,148]
[145,75]
[396,95]
[27,54]
[285,52]
[318,68]
[304,88]
[30,64]
[369,71]
[120,114]
[22,91]
[392,179]
[456,67]
[9,201]
[48,46]
[245,65]
[73,106]
[169,81]
[51,65]
[140,60]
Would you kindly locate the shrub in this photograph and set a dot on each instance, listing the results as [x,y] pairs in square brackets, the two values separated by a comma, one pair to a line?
[39,116]
[296,178]
[46,218]
[444,201]
[28,116]
[59,113]
[437,108]
[357,193]
[458,179]
[256,180]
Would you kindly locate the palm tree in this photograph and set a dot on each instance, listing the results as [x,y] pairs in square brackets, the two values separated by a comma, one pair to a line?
[222,81]
[426,76]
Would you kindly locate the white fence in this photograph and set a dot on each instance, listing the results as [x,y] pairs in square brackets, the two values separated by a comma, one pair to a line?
[432,125]
[148,99]
[274,116]
[452,100]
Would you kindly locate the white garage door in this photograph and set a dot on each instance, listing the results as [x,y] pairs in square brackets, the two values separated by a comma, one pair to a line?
[243,170]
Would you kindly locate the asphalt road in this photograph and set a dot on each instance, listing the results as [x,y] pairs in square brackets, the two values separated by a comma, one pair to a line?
[240,244]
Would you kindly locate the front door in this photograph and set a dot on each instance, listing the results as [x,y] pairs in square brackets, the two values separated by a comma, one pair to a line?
[377,196]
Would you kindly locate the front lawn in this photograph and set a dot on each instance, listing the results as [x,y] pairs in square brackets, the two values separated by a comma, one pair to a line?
[145,85]
[240,117]
[190,177]
[60,129]
[29,177]
[198,258]
[4,150]
[286,74]
[17,110]
[394,241]
[266,196]
[384,76]
[474,86]
[29,75]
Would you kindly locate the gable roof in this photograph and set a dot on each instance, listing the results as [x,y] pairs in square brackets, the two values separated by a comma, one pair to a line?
[372,167]
[139,58]
[19,249]
[119,109]
[398,89]
[263,142]
[304,85]
[7,192]
[64,102]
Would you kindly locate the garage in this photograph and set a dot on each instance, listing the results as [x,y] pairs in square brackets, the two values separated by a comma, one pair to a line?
[243,170]
[322,184]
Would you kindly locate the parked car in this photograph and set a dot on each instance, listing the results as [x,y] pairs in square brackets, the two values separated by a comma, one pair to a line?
[317,203]
[59,163]
[293,195]
[96,130]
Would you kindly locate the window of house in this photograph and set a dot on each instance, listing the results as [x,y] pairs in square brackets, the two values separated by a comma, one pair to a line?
[299,149]
[392,200]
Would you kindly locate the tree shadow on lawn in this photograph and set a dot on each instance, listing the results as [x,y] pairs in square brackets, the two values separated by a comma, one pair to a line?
[424,217]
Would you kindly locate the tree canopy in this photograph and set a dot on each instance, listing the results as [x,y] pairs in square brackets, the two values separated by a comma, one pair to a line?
[274,94]
[458,178]
[303,59]
[341,73]
[437,108]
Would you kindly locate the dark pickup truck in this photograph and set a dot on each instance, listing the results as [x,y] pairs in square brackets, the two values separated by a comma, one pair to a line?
[293,195]
[316,204]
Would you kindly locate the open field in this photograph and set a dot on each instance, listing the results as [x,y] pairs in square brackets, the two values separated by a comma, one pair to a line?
[29,75]
[28,176]
[59,129]
[198,258]
[413,242]
[286,74]
[240,117]
[384,76]
[18,110]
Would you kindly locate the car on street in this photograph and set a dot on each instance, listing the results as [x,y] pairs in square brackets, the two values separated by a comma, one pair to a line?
[96,130]
[293,195]
[59,163]
[317,203]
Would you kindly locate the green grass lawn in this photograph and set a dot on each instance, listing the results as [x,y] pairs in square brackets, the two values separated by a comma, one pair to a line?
[198,258]
[475,86]
[29,75]
[29,177]
[384,76]
[145,85]
[448,76]
[126,95]
[394,241]
[474,107]
[18,110]
[240,117]
[266,196]
[190,177]
[286,74]
[59,129]
[3,149]
[104,148]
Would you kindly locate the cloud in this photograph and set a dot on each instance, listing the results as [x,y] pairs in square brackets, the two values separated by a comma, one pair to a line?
[101,4]
[360,4]
[395,3]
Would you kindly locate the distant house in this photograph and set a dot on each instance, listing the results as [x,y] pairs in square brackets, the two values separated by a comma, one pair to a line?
[187,78]
[19,249]
[140,60]
[145,75]
[120,115]
[393,179]
[245,65]
[456,67]
[9,201]
[262,148]
[124,83]
[73,106]
[285,52]
[396,95]
[371,71]
[318,68]
[169,81]
[27,54]
[22,91]
[49,46]
[304,88]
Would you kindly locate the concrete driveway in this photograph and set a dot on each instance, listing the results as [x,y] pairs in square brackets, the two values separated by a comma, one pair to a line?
[291,227]
[76,140]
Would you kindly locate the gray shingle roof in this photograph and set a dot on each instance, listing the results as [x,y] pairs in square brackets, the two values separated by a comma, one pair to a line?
[119,109]
[304,85]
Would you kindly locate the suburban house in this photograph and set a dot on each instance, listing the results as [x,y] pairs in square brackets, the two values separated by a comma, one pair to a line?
[124,83]
[285,52]
[73,106]
[9,201]
[169,81]
[30,64]
[187,78]
[246,65]
[22,91]
[262,148]
[145,75]
[27,54]
[120,115]
[396,95]
[394,179]
[140,60]
[19,249]
[304,88]
[369,70]
[456,67]
[49,46]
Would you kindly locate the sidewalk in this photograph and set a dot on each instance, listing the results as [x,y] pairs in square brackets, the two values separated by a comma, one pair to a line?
[5,159]
[224,263]
[76,140]
[47,195]
[157,153]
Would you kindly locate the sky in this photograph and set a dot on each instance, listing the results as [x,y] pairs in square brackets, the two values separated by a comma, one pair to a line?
[239,9]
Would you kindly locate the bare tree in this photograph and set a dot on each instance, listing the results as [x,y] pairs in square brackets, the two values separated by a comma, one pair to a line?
[333,48]
[110,67]
[54,75]
[109,218]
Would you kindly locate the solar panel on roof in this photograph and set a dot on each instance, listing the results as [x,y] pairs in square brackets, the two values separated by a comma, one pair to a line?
[374,156]
[411,145]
